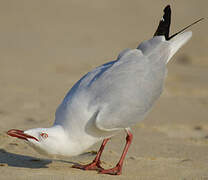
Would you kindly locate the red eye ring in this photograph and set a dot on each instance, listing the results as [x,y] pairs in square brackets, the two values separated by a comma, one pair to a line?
[44,135]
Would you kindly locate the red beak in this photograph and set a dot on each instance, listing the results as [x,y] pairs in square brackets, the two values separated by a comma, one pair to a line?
[20,134]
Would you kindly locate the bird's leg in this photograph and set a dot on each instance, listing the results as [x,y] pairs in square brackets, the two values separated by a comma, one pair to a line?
[118,168]
[95,164]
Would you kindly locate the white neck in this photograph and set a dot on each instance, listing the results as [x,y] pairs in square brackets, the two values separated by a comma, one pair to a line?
[71,143]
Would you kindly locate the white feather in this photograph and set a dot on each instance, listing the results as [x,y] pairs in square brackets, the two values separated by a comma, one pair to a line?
[178,41]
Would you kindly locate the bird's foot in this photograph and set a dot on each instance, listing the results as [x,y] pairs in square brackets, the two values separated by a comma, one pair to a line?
[113,171]
[91,166]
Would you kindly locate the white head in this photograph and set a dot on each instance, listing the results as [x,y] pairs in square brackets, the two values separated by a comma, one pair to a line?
[52,140]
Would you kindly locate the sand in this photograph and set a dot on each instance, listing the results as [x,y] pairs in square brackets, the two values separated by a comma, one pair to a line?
[46,46]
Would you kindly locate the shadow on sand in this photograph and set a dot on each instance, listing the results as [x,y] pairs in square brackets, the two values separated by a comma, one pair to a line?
[18,160]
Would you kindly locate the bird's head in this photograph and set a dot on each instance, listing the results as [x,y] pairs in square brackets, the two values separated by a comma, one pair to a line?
[44,140]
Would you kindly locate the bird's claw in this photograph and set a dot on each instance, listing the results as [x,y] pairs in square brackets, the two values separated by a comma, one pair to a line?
[113,171]
[91,166]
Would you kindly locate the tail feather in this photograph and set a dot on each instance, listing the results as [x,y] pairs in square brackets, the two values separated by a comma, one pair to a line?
[177,42]
[185,28]
[162,42]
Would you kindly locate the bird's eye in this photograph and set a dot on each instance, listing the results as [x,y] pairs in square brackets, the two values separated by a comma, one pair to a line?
[44,135]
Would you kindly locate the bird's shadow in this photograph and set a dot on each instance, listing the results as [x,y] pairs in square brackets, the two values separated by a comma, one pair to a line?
[18,160]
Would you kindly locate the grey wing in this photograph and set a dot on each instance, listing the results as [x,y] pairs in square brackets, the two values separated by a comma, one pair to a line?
[125,93]
[80,88]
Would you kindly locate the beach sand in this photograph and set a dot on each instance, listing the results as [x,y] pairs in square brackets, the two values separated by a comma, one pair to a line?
[46,46]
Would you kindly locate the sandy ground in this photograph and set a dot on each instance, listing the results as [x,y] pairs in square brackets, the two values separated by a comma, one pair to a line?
[46,46]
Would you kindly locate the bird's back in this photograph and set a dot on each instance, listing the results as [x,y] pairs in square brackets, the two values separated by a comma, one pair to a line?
[126,92]
[120,92]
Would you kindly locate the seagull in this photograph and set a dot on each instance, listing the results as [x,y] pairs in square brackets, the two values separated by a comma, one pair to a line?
[109,99]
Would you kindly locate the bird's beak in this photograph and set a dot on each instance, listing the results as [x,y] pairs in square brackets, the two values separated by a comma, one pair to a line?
[20,134]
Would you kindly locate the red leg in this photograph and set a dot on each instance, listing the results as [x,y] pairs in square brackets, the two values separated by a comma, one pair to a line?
[95,164]
[118,168]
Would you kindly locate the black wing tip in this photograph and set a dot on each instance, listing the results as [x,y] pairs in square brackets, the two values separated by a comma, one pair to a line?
[167,8]
[164,24]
